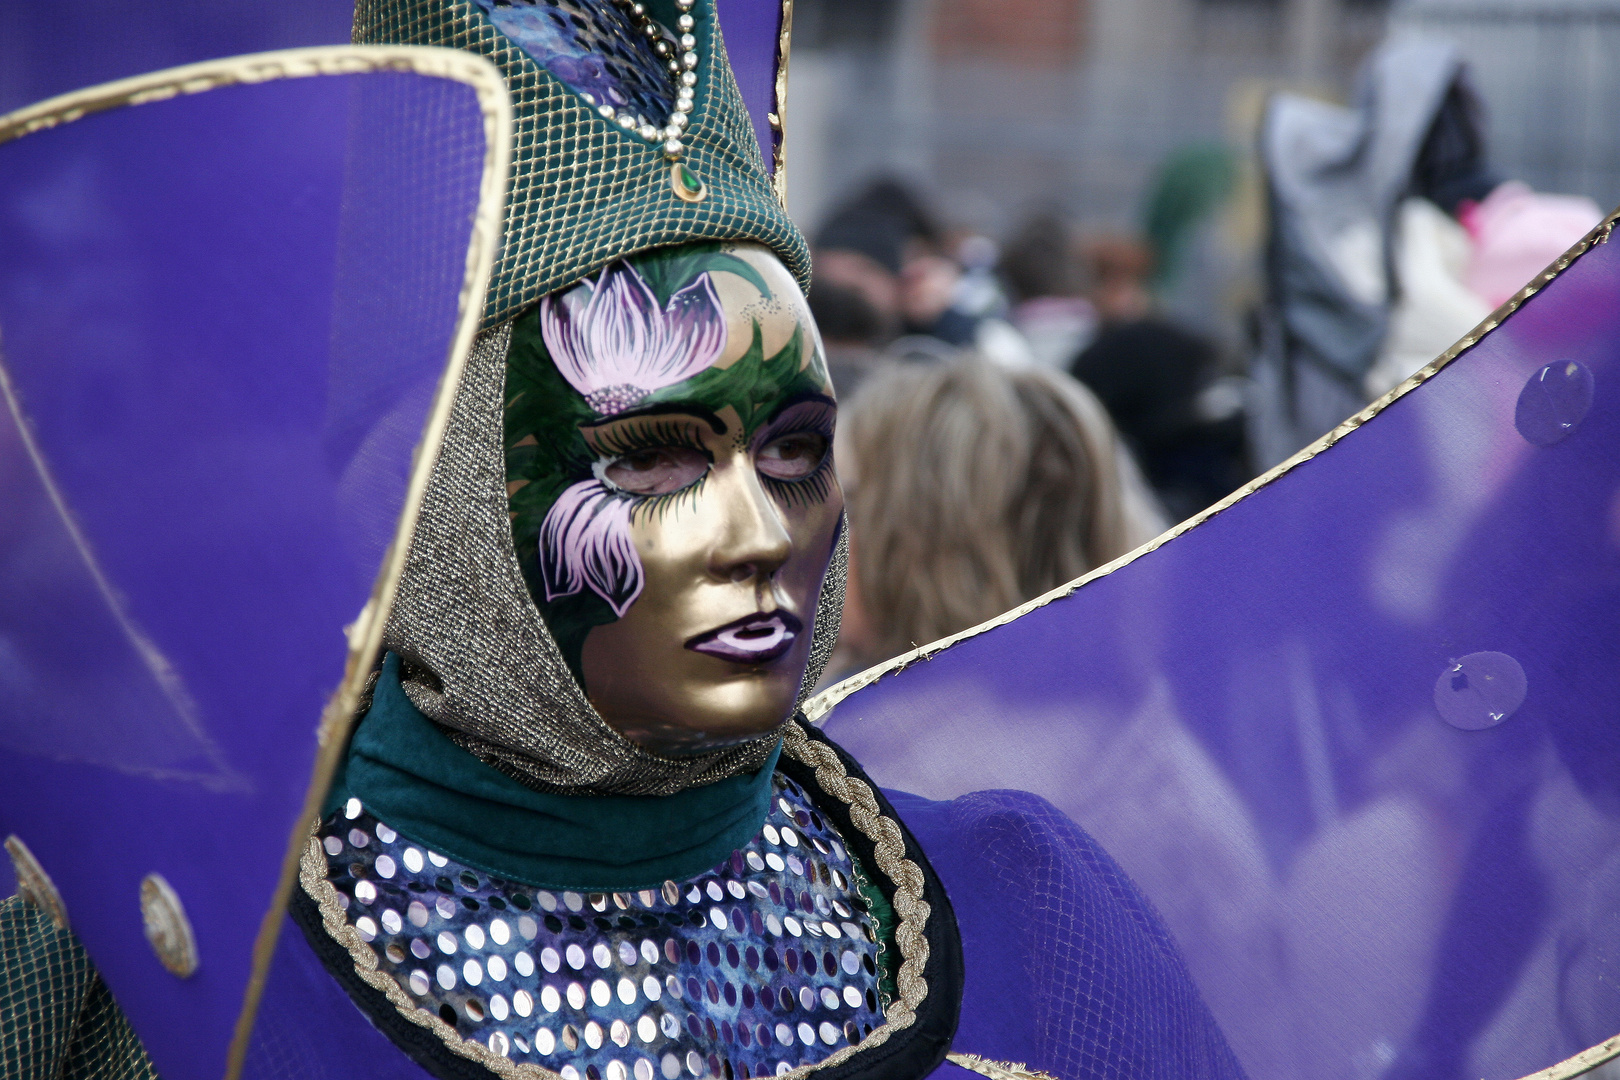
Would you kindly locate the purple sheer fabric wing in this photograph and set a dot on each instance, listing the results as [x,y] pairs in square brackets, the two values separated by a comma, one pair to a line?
[1354,735]
[226,316]
[752,28]
[50,49]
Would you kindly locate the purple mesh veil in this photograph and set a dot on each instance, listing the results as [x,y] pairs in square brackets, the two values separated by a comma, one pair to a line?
[1353,735]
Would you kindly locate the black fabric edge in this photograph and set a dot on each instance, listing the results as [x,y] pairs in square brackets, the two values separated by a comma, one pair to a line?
[915,1051]
[418,1043]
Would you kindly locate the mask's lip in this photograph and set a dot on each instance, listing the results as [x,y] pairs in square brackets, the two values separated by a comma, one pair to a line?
[769,634]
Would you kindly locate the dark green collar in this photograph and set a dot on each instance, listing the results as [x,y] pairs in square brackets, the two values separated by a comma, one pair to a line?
[407,773]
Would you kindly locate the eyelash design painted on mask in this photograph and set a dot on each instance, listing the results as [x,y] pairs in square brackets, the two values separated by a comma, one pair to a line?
[655,435]
[807,489]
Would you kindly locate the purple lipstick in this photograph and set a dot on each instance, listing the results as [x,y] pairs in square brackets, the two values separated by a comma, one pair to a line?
[753,639]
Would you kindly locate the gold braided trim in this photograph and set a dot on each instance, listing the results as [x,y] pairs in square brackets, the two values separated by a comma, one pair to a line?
[818,707]
[312,873]
[998,1070]
[890,857]
[907,877]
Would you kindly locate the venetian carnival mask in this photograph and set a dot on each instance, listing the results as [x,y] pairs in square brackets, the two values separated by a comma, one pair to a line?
[668,432]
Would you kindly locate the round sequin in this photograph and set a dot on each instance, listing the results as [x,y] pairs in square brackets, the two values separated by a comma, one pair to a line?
[391,921]
[528,928]
[499,932]
[670,1066]
[771,835]
[601,993]
[474,935]
[522,1003]
[498,1007]
[496,966]
[550,1000]
[436,859]
[523,964]
[576,995]
[333,845]
[446,907]
[447,976]
[593,1035]
[473,972]
[544,1041]
[644,1069]
[619,1032]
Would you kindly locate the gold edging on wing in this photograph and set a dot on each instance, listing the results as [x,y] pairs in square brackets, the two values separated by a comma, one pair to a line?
[1582,1063]
[998,1070]
[817,707]
[778,118]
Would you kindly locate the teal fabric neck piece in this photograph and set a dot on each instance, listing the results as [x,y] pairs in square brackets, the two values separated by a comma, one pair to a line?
[409,775]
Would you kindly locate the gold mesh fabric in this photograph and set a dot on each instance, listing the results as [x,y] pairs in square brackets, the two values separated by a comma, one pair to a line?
[58,1021]
[585,192]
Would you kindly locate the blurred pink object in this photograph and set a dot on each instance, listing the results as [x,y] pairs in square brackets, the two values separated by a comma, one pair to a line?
[1517,233]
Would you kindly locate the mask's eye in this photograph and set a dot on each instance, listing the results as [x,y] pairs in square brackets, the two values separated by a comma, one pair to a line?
[657,471]
[793,457]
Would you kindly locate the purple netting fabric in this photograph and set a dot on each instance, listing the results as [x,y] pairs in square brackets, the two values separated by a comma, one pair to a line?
[1068,967]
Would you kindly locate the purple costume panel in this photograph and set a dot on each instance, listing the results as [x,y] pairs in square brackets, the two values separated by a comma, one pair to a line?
[224,318]
[1354,736]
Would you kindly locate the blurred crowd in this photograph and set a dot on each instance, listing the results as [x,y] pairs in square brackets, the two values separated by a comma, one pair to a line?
[1020,410]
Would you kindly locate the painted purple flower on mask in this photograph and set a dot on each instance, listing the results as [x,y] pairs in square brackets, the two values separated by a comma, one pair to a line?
[615,346]
[585,540]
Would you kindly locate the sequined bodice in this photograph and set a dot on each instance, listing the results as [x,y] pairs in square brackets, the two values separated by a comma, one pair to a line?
[767,962]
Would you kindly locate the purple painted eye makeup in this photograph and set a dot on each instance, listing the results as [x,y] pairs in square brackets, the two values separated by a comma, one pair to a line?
[753,639]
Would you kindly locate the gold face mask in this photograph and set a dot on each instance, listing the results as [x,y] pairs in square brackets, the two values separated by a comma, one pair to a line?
[669,428]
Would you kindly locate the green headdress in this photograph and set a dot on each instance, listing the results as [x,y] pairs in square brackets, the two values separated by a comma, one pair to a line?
[631,136]
[589,188]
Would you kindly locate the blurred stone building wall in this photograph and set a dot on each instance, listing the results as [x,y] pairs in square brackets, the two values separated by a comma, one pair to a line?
[1002,106]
